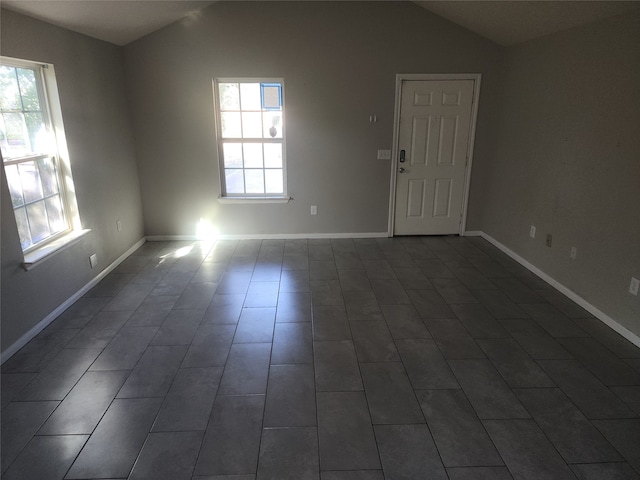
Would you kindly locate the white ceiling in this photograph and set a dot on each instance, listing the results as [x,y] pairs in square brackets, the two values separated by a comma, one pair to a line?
[506,22]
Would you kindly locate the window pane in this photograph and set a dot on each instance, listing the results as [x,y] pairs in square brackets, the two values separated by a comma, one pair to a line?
[252,155]
[272,125]
[37,132]
[254,180]
[17,139]
[30,177]
[251,125]
[37,194]
[232,155]
[231,127]
[229,96]
[9,92]
[55,213]
[23,228]
[273,155]
[234,181]
[250,96]
[274,181]
[251,167]
[38,223]
[28,89]
[48,176]
[15,187]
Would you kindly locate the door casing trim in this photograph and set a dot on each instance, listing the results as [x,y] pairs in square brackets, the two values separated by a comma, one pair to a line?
[401,77]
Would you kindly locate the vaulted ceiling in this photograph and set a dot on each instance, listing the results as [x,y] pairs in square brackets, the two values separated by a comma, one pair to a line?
[115,21]
[506,22]
[511,22]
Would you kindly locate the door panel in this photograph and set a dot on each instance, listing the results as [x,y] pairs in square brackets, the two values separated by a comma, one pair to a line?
[420,141]
[416,201]
[442,198]
[447,143]
[435,120]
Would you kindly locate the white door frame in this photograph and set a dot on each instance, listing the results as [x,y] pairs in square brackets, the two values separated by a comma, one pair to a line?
[476,77]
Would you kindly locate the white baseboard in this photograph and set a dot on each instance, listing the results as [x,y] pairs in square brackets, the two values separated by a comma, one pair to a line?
[42,324]
[170,238]
[473,233]
[274,236]
[599,314]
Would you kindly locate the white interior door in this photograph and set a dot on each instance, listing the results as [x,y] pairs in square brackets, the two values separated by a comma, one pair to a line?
[433,146]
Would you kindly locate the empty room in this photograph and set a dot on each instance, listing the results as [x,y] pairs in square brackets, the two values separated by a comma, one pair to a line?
[309,240]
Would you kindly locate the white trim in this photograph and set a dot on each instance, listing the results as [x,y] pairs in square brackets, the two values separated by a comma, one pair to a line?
[47,89]
[171,238]
[471,147]
[57,123]
[42,324]
[254,200]
[394,155]
[400,77]
[268,236]
[249,80]
[38,255]
[220,141]
[438,76]
[473,233]
[599,314]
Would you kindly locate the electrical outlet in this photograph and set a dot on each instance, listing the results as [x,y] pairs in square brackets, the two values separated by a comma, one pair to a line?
[574,253]
[532,232]
[314,209]
[548,242]
[633,288]
[119,225]
[93,260]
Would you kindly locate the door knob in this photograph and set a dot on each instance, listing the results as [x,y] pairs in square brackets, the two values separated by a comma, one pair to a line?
[401,170]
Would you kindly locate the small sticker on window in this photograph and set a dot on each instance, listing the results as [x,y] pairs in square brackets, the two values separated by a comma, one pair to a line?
[271,94]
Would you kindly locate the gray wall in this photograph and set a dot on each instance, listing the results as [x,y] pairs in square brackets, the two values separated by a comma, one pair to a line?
[567,160]
[338,61]
[91,87]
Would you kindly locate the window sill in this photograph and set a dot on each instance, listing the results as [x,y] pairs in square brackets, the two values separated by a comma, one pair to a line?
[39,255]
[247,200]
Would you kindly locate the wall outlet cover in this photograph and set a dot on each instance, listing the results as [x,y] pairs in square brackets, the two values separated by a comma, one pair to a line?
[633,287]
[574,253]
[549,240]
[532,232]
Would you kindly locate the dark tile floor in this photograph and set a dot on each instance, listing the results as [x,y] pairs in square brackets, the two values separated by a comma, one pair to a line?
[406,358]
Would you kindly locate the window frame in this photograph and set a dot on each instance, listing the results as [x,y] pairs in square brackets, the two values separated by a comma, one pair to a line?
[57,150]
[220,141]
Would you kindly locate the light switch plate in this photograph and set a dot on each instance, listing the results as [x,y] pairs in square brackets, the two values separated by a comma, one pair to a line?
[384,154]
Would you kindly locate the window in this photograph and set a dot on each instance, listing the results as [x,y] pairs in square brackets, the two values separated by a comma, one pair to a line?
[29,142]
[250,126]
